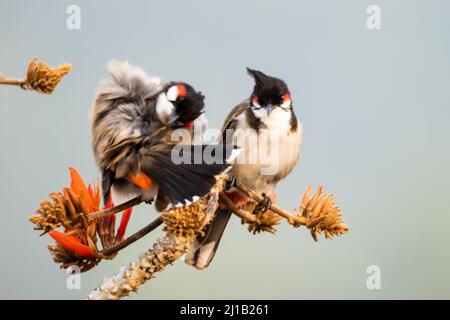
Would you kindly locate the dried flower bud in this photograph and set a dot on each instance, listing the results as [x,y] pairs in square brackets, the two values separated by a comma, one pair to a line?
[322,214]
[71,209]
[61,210]
[44,79]
[266,222]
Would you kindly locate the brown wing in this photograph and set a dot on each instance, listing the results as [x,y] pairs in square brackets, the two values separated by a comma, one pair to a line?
[230,120]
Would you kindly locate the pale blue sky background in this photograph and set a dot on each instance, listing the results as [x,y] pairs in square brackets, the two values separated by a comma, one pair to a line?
[375,110]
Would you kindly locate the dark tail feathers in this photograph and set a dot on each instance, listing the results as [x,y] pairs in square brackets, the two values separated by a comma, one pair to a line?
[203,249]
[183,173]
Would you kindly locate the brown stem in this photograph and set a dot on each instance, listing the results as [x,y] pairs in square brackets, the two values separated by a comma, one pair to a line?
[236,210]
[292,219]
[114,210]
[134,237]
[13,82]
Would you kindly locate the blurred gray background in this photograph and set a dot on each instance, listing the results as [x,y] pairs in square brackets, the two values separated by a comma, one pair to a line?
[375,110]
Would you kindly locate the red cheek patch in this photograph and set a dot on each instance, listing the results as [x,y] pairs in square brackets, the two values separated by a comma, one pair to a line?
[255,99]
[181,90]
[286,97]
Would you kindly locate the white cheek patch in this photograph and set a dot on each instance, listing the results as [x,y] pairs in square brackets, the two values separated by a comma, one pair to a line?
[286,104]
[172,93]
[164,107]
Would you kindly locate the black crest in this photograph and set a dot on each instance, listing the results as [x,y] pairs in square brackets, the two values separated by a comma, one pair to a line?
[268,89]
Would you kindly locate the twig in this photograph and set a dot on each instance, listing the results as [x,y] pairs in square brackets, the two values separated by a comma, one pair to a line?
[40,77]
[235,209]
[133,238]
[292,219]
[114,210]
[14,82]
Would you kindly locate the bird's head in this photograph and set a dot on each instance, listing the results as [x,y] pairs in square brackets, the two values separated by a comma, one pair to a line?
[179,104]
[269,93]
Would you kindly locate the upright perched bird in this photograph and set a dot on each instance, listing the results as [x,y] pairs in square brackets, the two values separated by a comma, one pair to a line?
[266,117]
[133,118]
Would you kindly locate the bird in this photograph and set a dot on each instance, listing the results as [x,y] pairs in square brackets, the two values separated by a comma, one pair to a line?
[133,119]
[267,116]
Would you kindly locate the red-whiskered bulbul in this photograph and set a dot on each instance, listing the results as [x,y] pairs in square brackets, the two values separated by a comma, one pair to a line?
[133,118]
[268,111]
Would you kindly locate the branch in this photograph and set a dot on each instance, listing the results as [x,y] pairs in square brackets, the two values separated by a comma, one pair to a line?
[133,238]
[183,225]
[164,252]
[114,210]
[292,219]
[317,212]
[247,216]
[14,82]
[40,77]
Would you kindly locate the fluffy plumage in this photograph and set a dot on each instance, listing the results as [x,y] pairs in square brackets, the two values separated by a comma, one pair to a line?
[133,119]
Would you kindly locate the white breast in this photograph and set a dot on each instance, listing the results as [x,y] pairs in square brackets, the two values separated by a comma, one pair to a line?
[268,155]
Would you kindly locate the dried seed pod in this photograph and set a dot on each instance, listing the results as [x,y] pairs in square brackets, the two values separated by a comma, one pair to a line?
[185,221]
[47,216]
[67,258]
[42,78]
[323,215]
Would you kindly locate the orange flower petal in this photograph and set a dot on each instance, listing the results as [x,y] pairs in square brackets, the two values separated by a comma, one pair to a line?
[124,223]
[94,196]
[98,195]
[76,181]
[78,186]
[90,192]
[73,244]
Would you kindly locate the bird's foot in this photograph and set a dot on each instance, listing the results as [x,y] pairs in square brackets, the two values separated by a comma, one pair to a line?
[231,182]
[263,205]
[148,201]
